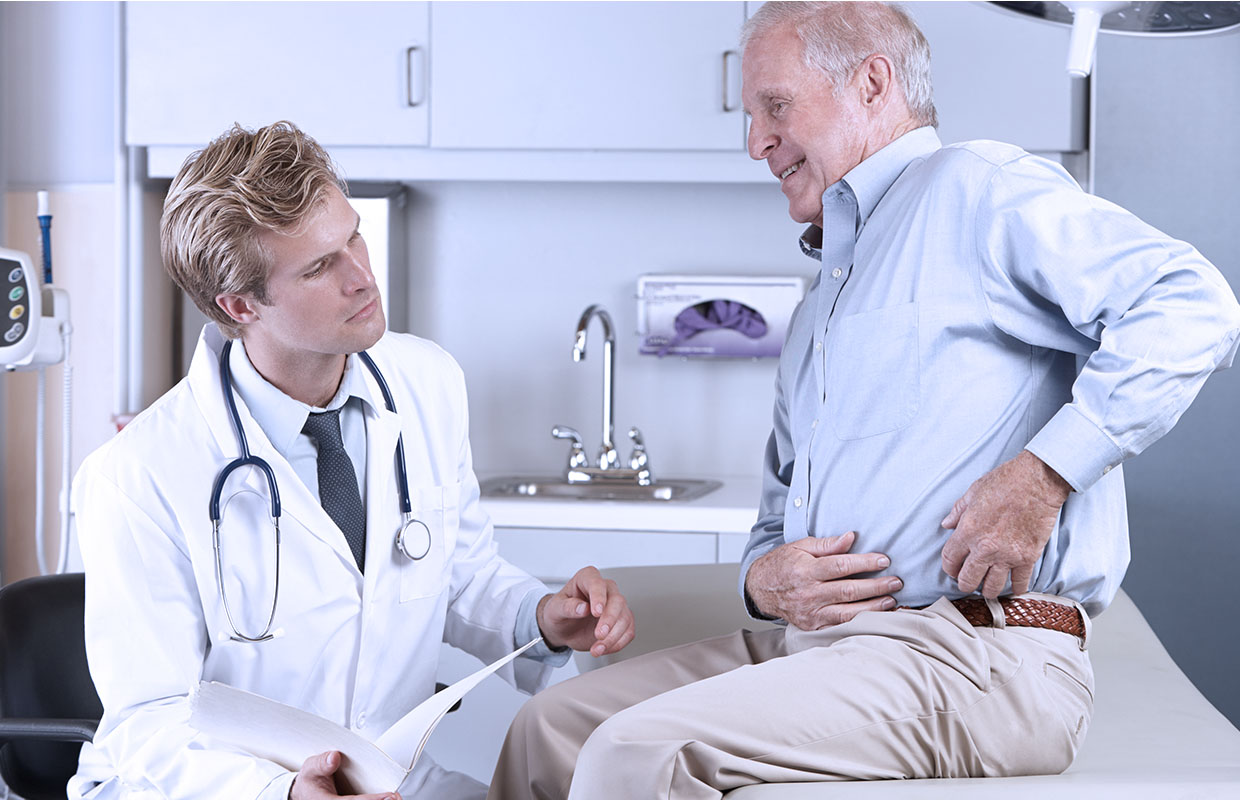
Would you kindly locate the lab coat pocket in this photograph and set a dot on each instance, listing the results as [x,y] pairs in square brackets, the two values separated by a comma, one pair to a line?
[873,369]
[438,508]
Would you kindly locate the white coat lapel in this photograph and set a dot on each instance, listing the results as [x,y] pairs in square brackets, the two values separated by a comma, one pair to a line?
[382,494]
[296,500]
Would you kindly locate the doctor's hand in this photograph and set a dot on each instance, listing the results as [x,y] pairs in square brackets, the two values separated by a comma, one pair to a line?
[1002,524]
[315,780]
[807,583]
[589,613]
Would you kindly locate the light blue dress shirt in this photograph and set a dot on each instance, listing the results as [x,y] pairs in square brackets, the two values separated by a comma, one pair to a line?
[973,301]
[281,417]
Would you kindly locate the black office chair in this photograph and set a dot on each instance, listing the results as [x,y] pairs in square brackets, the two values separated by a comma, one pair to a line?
[48,704]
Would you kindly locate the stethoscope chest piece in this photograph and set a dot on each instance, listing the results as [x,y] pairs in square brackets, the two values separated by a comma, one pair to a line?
[414,539]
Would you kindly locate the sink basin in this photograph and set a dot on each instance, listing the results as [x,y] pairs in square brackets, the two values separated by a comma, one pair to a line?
[559,489]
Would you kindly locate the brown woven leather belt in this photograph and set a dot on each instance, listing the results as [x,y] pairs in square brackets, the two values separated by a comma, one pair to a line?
[1024,612]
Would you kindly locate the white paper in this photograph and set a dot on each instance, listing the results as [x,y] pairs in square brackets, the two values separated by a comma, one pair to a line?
[288,736]
[404,741]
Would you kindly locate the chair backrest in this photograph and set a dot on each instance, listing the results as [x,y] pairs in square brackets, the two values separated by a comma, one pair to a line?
[43,675]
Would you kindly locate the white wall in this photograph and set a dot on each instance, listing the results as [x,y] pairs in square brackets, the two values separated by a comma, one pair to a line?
[1167,116]
[500,274]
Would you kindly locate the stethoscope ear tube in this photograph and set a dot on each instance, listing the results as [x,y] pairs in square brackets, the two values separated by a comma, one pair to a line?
[248,461]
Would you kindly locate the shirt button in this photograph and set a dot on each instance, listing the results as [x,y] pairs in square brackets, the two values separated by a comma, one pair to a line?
[797,502]
[814,424]
[837,272]
[817,347]
[1105,470]
[361,720]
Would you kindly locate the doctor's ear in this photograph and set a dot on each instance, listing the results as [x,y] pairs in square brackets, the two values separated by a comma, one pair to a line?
[242,308]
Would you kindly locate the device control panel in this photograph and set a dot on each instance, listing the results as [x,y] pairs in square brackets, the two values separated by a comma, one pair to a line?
[19,305]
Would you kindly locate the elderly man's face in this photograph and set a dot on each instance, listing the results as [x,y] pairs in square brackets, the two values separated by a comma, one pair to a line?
[809,137]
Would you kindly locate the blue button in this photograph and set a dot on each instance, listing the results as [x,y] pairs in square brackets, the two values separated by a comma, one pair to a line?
[14,333]
[16,294]
[15,275]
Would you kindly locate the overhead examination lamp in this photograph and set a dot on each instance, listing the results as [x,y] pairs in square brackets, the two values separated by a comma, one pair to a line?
[1134,19]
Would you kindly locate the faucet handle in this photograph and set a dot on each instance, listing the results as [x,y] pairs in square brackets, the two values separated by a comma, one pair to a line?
[638,459]
[577,456]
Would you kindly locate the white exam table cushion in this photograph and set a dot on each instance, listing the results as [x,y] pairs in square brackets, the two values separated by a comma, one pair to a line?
[1153,735]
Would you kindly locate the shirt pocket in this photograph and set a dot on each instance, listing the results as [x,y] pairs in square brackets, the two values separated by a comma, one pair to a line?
[873,372]
[438,508]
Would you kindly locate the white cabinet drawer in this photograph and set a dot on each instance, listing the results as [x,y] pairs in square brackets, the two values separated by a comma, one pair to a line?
[555,555]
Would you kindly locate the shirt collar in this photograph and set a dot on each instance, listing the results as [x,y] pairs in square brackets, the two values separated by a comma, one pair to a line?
[281,417]
[870,180]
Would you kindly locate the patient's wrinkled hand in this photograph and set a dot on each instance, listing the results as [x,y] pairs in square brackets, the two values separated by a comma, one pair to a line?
[1002,524]
[808,582]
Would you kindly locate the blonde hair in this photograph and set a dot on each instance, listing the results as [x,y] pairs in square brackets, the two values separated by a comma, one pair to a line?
[241,184]
[837,37]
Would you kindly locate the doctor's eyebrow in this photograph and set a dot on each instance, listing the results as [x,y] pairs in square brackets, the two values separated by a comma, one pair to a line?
[357,227]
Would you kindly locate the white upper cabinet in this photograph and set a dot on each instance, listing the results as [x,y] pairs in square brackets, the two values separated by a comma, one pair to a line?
[540,90]
[587,76]
[347,73]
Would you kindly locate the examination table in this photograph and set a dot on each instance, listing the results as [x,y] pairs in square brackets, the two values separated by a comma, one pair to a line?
[1153,734]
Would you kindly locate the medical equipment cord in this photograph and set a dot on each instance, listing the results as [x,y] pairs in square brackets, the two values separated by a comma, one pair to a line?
[66,472]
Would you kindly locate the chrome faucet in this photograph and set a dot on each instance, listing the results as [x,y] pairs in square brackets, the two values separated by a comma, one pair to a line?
[608,469]
[607,458]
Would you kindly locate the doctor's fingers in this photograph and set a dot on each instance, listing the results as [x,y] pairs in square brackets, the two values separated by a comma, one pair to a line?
[600,592]
[615,641]
[617,619]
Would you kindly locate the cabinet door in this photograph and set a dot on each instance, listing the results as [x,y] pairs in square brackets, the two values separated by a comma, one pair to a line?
[554,556]
[346,73]
[607,75]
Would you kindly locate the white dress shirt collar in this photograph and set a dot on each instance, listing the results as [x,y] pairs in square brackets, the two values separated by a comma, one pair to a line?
[281,417]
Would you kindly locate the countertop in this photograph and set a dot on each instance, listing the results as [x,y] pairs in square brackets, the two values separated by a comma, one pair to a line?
[732,508]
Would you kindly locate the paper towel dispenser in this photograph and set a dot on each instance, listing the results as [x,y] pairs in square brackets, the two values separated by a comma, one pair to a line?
[714,316]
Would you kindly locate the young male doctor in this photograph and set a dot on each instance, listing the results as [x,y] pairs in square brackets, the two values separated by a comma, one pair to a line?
[258,231]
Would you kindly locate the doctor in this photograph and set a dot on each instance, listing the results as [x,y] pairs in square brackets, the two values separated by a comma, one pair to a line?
[257,230]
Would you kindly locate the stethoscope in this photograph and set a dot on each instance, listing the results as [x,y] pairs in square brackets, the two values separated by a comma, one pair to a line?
[413,539]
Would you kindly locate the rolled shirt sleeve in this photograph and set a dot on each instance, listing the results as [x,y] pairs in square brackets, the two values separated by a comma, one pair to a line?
[1149,316]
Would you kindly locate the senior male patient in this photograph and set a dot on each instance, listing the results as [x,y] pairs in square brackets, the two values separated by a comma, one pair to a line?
[943,508]
[333,613]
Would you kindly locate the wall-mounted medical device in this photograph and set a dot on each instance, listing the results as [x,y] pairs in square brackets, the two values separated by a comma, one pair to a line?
[34,333]
[33,316]
[713,316]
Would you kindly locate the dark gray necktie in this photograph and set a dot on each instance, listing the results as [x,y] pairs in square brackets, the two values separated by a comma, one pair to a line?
[338,482]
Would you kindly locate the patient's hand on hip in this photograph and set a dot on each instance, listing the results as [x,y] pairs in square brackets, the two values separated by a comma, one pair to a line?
[809,582]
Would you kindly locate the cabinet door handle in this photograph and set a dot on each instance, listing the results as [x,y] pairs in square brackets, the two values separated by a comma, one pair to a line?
[409,101]
[728,108]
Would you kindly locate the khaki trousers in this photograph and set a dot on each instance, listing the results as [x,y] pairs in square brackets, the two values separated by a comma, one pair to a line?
[896,694]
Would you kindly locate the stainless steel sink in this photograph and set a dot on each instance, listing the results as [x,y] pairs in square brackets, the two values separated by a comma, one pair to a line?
[559,489]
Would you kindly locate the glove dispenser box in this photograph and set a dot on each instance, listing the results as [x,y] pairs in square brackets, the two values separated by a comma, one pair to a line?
[712,316]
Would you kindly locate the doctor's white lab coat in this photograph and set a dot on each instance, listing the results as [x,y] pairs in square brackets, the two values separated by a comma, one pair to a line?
[357,650]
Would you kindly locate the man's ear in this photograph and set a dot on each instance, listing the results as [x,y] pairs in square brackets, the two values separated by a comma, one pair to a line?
[241,308]
[876,79]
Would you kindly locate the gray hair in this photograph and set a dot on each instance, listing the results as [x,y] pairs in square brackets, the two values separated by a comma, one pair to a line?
[837,37]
